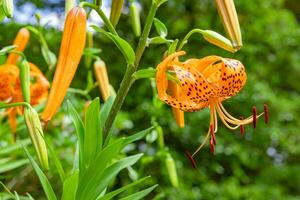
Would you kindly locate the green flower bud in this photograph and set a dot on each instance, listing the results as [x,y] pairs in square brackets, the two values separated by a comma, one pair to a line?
[8,8]
[219,40]
[135,19]
[116,10]
[35,130]
[171,167]
[25,79]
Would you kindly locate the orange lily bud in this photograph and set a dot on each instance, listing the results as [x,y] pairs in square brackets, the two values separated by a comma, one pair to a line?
[178,114]
[72,45]
[102,79]
[230,21]
[21,42]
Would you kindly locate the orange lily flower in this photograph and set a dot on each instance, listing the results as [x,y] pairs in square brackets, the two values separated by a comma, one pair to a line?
[10,87]
[11,92]
[205,83]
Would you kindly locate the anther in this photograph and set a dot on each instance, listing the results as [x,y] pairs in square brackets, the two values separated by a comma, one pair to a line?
[189,156]
[242,127]
[212,146]
[213,136]
[266,112]
[254,113]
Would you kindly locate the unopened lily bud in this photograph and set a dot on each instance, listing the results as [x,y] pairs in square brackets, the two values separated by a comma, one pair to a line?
[35,130]
[218,40]
[135,19]
[69,4]
[8,8]
[160,137]
[71,48]
[171,167]
[115,12]
[230,21]
[102,79]
[25,80]
[20,41]
[178,114]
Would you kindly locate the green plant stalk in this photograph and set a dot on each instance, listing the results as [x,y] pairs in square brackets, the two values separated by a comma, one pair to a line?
[188,35]
[128,78]
[15,105]
[106,21]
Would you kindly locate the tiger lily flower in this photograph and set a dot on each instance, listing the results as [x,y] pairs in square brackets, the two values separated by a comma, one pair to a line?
[205,82]
[10,87]
[11,92]
[71,49]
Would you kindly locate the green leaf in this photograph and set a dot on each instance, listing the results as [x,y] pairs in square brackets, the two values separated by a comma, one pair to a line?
[7,166]
[49,56]
[160,27]
[93,133]
[158,40]
[137,136]
[91,51]
[122,189]
[172,47]
[7,49]
[70,186]
[105,109]
[108,175]
[79,130]
[13,147]
[140,194]
[145,73]
[57,162]
[43,179]
[123,46]
[93,174]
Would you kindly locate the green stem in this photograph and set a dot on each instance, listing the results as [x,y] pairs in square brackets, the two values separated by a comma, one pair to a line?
[128,78]
[188,35]
[14,105]
[106,21]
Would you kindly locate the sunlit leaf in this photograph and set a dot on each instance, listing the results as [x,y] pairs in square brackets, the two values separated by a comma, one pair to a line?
[123,46]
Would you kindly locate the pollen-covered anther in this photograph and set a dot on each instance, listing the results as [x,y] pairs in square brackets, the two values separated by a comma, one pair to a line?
[242,127]
[266,113]
[254,111]
[212,146]
[189,156]
[213,136]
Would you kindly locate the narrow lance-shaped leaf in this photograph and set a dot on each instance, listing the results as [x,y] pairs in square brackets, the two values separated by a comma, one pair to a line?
[80,130]
[122,189]
[123,46]
[43,179]
[140,194]
[93,136]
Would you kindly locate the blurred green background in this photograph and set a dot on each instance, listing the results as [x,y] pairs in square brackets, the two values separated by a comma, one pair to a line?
[265,164]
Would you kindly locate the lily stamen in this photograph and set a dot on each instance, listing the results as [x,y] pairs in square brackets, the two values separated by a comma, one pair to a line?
[254,111]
